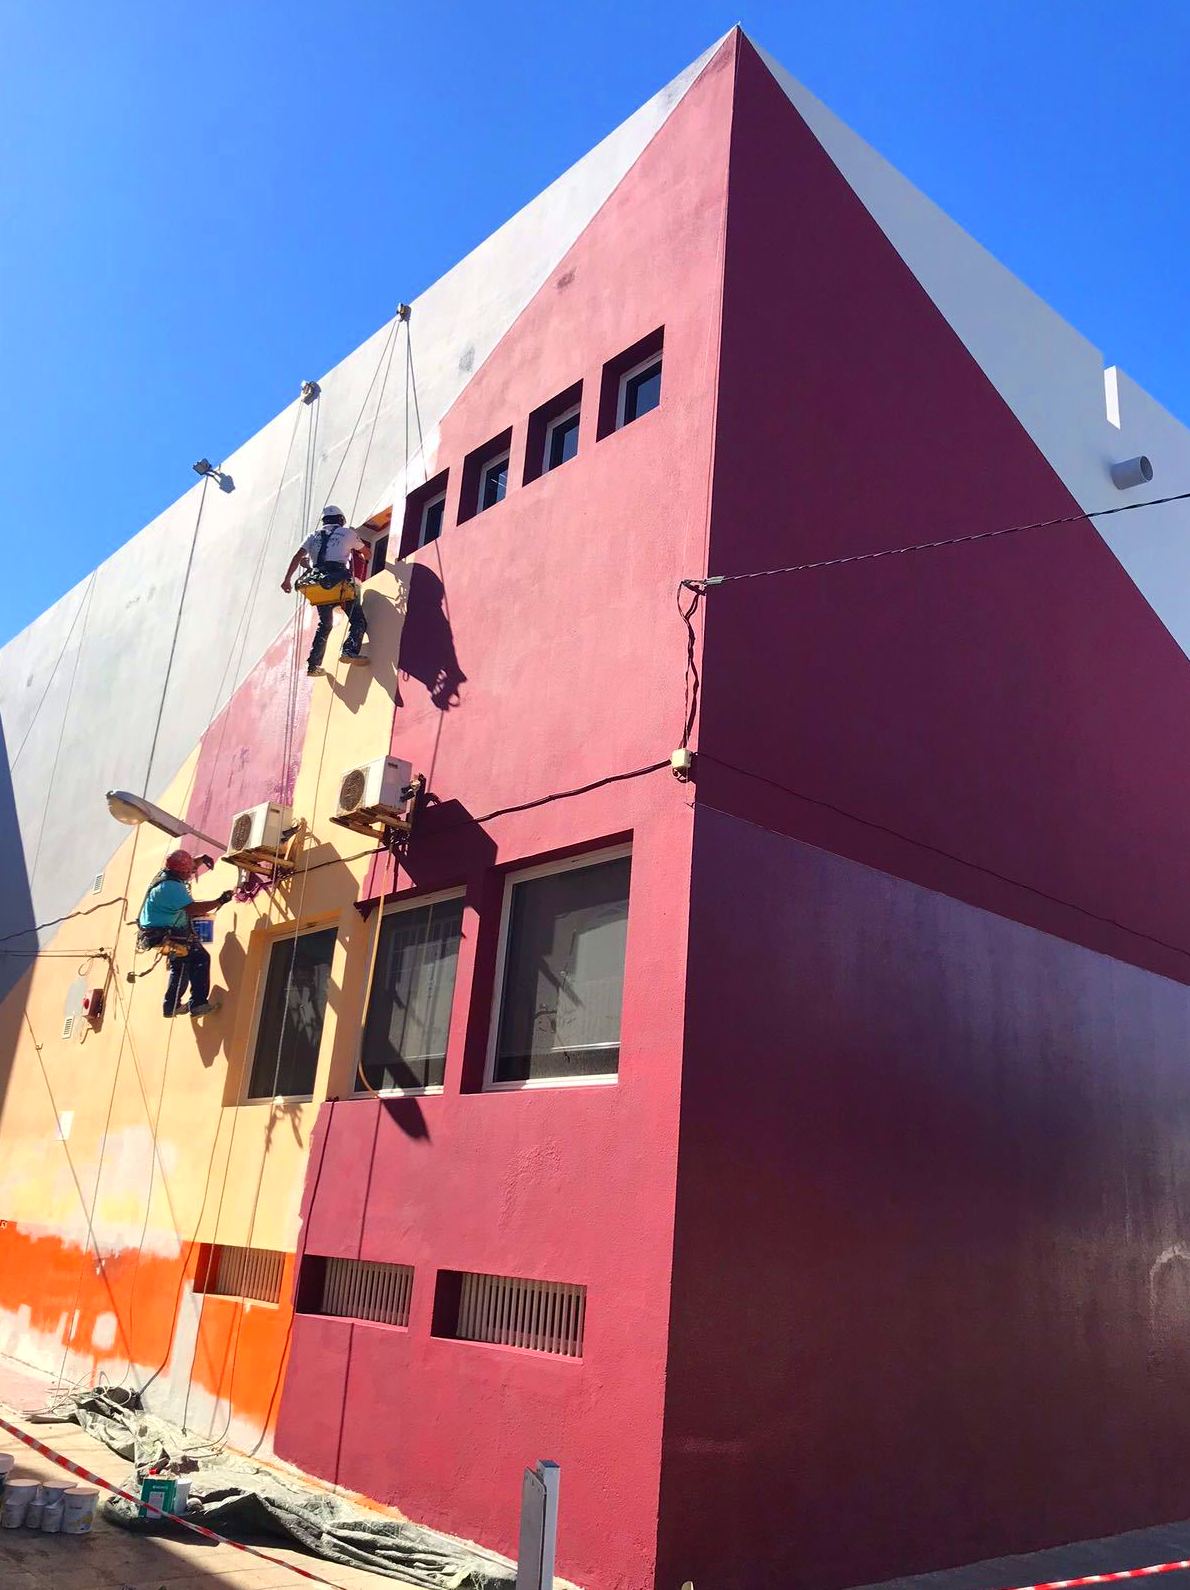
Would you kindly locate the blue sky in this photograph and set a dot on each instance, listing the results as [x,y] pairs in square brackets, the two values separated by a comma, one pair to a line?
[203,205]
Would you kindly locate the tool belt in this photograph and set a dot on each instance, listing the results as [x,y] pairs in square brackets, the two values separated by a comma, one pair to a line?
[172,942]
[328,583]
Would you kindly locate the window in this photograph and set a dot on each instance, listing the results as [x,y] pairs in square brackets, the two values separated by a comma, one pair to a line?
[511,1311]
[631,384]
[553,432]
[241,1272]
[561,440]
[356,1289]
[289,1031]
[562,973]
[425,510]
[493,483]
[430,525]
[640,391]
[412,988]
[485,476]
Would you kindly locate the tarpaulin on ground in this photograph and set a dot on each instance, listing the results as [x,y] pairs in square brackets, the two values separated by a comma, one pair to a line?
[236,1497]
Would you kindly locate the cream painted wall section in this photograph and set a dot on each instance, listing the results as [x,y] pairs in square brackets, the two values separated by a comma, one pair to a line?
[160,1153]
[1048,373]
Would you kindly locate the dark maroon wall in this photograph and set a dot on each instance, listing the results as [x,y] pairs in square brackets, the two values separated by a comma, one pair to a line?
[931,1273]
[1007,711]
[929,1285]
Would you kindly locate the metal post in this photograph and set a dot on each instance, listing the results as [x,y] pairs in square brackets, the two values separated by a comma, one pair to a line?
[539,1527]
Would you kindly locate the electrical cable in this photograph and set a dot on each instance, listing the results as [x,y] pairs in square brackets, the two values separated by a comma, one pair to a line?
[934,546]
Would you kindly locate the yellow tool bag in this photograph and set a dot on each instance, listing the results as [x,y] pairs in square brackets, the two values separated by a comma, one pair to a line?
[344,591]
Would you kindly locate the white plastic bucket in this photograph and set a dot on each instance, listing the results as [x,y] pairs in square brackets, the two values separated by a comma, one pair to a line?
[51,1518]
[18,1494]
[79,1511]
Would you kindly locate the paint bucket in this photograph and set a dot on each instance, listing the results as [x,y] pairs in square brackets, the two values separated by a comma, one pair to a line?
[34,1511]
[79,1511]
[6,1462]
[54,1505]
[17,1496]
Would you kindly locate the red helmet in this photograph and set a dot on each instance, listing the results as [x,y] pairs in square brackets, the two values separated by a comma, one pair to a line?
[181,862]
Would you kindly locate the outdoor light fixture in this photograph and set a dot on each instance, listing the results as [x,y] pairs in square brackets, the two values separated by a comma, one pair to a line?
[1132,472]
[205,468]
[134,809]
[310,390]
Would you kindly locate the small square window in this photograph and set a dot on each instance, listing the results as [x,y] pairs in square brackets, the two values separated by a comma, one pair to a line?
[553,432]
[493,483]
[561,440]
[640,391]
[631,385]
[425,509]
[430,525]
[485,476]
[289,1032]
[562,974]
[408,1018]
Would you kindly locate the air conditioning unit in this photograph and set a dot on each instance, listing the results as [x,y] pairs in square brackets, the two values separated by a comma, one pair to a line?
[256,834]
[381,792]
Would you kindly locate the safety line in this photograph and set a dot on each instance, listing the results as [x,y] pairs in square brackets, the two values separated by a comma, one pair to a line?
[1109,1578]
[933,546]
[156,1512]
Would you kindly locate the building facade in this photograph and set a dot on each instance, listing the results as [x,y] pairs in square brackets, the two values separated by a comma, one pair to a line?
[796,1153]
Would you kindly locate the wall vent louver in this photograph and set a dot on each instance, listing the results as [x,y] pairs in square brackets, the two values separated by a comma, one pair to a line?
[367,1290]
[250,1273]
[538,1316]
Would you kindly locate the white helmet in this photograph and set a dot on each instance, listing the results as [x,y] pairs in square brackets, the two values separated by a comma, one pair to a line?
[333,515]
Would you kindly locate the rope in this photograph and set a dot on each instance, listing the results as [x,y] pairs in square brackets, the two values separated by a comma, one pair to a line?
[84,601]
[52,784]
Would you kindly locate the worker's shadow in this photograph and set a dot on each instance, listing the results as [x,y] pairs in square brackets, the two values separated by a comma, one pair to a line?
[427,641]
[213,1033]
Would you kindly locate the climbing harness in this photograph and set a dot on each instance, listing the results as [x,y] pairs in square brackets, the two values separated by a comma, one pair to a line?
[322,589]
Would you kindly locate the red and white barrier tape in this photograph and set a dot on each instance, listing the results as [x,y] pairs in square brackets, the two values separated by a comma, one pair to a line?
[174,1518]
[1109,1578]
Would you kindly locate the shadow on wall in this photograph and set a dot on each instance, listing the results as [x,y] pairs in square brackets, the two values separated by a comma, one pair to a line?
[16,901]
[427,641]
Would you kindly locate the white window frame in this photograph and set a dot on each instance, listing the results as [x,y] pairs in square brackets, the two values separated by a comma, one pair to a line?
[247,1101]
[588,858]
[485,469]
[630,375]
[432,502]
[413,903]
[574,412]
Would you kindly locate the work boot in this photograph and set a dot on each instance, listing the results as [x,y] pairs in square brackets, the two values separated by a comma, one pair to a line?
[313,671]
[353,657]
[207,1008]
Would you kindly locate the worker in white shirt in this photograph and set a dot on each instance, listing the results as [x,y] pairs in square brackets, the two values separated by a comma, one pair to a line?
[328,555]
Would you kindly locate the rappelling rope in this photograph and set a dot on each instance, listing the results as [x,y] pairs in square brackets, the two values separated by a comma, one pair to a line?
[296,913]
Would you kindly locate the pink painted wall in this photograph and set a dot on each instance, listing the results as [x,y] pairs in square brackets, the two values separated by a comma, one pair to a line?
[243,759]
[542,652]
[932,1160]
[931,1292]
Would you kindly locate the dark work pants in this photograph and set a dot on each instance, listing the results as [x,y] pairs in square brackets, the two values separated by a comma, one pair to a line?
[357,624]
[193,971]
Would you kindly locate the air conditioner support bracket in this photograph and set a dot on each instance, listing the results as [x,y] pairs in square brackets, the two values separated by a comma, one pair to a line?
[375,821]
[272,865]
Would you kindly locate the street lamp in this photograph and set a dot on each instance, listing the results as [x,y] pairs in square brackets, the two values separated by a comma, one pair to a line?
[134,809]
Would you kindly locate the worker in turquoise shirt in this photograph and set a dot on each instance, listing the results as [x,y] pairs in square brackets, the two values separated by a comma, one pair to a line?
[168,911]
